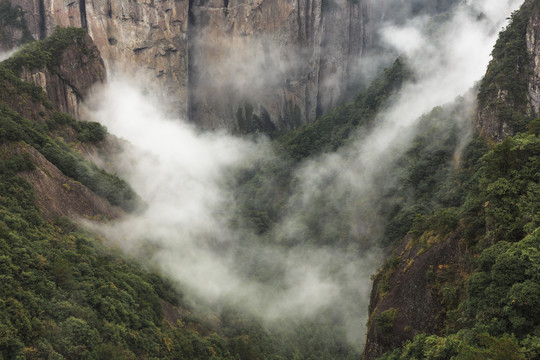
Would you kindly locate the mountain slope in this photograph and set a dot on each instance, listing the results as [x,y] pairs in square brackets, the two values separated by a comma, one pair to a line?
[462,227]
[64,293]
[69,295]
[461,284]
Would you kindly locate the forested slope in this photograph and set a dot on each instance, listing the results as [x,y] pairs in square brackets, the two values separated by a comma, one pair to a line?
[67,293]
[461,230]
[64,293]
[463,282]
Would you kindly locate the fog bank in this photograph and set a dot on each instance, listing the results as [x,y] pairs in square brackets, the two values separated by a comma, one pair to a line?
[190,229]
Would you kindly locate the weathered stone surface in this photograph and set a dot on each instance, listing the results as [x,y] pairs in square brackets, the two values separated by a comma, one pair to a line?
[290,59]
[58,195]
[533,47]
[143,38]
[411,293]
[295,59]
[71,82]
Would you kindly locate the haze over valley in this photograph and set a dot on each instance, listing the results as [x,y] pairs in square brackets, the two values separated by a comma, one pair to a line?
[320,179]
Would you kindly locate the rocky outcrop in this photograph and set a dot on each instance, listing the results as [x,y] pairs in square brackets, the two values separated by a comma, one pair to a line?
[408,294]
[142,38]
[509,95]
[70,82]
[58,195]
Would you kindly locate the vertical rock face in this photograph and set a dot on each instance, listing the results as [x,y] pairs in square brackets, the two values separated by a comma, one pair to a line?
[533,48]
[510,92]
[237,64]
[80,68]
[289,59]
[242,65]
[131,35]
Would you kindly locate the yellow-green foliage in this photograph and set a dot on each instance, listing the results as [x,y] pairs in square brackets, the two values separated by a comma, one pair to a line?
[14,127]
[46,53]
[463,346]
[385,321]
[64,295]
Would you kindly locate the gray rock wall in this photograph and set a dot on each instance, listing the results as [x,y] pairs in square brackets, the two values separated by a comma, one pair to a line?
[291,58]
[71,83]
[287,60]
[144,38]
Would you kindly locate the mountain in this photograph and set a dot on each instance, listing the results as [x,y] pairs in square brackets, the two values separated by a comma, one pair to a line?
[456,211]
[180,42]
[455,285]
[66,294]
[290,61]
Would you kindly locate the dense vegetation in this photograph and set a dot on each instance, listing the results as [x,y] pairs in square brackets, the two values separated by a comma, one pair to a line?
[16,128]
[504,88]
[493,315]
[332,130]
[67,295]
[490,298]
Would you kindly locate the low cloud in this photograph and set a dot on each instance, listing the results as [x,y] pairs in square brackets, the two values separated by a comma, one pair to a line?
[184,175]
[4,55]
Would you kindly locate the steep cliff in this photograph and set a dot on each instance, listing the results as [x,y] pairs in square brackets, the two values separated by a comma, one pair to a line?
[289,60]
[236,64]
[148,38]
[509,95]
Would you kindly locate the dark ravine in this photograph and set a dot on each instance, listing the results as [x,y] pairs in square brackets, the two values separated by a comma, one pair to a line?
[42,26]
[82,10]
[109,9]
